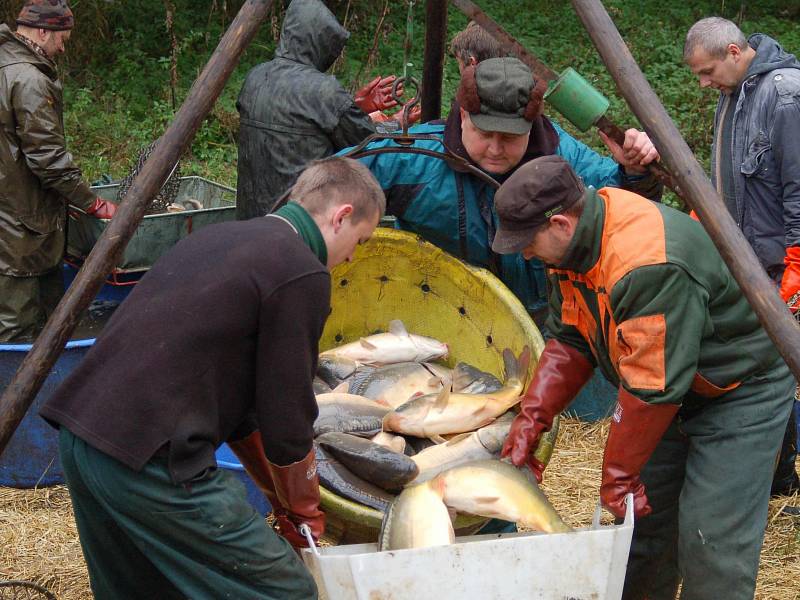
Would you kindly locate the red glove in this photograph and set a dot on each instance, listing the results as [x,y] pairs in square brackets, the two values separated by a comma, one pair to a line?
[250,452]
[561,373]
[297,489]
[636,429]
[790,282]
[102,209]
[377,95]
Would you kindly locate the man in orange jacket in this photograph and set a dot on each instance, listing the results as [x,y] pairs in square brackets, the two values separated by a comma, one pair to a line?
[703,395]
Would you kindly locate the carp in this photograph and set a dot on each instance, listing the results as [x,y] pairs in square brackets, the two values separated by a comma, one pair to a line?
[498,490]
[471,380]
[372,462]
[417,519]
[348,413]
[335,477]
[484,444]
[396,384]
[435,415]
[396,345]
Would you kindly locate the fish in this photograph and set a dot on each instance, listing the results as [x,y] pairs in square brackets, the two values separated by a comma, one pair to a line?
[498,490]
[417,519]
[335,477]
[348,413]
[471,380]
[483,444]
[372,462]
[334,370]
[320,387]
[446,412]
[393,442]
[396,345]
[396,384]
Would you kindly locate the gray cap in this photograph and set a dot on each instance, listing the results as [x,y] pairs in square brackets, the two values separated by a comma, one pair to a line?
[504,89]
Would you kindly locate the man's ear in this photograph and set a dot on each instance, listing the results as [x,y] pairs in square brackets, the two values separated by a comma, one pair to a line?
[734,51]
[472,61]
[344,211]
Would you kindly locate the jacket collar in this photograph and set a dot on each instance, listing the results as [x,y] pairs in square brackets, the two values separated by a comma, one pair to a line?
[13,50]
[583,251]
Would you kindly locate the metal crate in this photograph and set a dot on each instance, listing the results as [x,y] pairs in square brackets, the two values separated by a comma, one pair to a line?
[156,233]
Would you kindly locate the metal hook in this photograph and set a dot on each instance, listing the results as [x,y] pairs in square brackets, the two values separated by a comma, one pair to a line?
[408,106]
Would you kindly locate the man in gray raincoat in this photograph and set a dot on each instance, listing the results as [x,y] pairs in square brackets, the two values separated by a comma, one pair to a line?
[291,112]
[37,174]
[755,160]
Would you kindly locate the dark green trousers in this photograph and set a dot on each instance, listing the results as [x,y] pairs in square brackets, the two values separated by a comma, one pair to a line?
[26,303]
[144,537]
[708,482]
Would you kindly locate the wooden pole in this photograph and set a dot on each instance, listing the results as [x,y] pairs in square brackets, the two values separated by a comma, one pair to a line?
[19,394]
[433,63]
[542,71]
[701,195]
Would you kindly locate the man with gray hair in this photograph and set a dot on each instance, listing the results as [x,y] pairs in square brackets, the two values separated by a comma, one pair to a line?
[181,369]
[755,160]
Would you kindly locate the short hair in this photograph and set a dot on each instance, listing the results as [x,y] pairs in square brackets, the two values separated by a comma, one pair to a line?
[339,179]
[714,35]
[475,41]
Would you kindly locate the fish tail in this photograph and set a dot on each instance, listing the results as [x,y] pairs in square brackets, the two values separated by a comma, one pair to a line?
[517,368]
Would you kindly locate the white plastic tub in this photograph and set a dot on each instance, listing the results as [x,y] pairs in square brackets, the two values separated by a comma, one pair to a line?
[588,563]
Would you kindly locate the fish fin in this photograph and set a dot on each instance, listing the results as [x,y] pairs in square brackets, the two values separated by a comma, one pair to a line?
[437,439]
[487,499]
[462,377]
[435,381]
[342,388]
[442,399]
[524,361]
[396,327]
[367,344]
[457,438]
[511,364]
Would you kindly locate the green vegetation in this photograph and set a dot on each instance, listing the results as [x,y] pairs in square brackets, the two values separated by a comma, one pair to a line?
[117,74]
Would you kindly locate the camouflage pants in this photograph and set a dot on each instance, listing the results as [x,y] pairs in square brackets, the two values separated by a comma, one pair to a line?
[26,303]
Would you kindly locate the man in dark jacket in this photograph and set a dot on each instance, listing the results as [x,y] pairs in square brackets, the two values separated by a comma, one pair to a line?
[755,159]
[37,174]
[638,290]
[218,343]
[291,112]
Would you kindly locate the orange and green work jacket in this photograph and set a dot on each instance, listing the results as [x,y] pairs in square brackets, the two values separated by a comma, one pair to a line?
[643,292]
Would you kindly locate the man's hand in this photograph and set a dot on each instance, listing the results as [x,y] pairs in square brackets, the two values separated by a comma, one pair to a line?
[636,152]
[377,94]
[102,209]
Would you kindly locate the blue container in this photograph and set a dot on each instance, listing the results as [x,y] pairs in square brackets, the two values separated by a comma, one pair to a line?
[595,401]
[31,457]
[226,459]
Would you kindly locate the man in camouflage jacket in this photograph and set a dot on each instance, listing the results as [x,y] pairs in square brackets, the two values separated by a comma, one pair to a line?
[37,174]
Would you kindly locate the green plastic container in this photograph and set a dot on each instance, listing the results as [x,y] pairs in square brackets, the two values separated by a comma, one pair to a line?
[156,233]
[576,99]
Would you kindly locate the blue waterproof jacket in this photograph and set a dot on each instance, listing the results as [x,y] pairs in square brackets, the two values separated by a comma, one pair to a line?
[455,210]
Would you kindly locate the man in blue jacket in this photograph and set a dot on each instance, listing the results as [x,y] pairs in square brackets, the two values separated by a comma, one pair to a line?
[497,127]
[755,160]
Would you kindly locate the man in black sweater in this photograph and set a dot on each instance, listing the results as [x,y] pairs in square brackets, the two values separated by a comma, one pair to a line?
[217,343]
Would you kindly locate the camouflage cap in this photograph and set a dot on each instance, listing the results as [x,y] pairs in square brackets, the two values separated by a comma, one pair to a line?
[46,14]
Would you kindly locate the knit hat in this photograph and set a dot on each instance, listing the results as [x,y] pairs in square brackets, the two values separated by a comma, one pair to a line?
[539,189]
[46,14]
[501,95]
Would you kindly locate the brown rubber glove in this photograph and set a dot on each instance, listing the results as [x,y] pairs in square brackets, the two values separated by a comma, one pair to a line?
[636,429]
[102,209]
[377,95]
[561,373]
[250,452]
[297,489]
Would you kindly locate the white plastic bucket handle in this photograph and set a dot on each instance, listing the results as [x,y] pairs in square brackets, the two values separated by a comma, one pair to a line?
[306,531]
